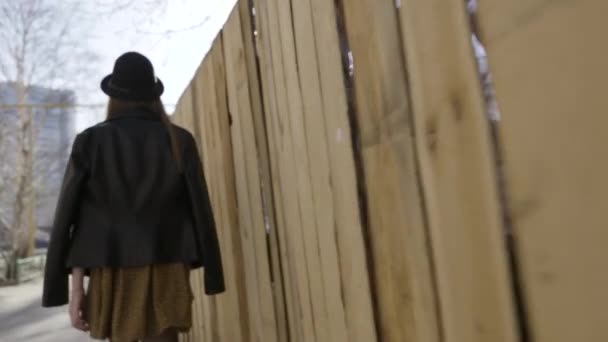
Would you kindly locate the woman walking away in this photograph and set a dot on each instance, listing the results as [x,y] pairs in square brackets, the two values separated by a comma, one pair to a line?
[134,216]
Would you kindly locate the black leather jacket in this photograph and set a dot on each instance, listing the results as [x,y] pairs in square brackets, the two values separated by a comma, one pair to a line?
[125,203]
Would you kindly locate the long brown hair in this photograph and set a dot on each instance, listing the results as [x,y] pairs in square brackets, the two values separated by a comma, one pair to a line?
[156,107]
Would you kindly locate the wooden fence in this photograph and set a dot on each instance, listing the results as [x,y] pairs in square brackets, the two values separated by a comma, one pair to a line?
[367,208]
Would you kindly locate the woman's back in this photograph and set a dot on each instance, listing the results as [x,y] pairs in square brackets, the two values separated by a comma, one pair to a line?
[134,206]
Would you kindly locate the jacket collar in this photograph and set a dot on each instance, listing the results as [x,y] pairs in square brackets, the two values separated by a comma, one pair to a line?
[138,113]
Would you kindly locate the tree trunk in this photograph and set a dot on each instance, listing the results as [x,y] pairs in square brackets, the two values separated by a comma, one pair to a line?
[11,267]
[25,202]
[30,213]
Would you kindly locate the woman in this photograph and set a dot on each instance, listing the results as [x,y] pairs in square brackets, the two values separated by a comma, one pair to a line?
[134,215]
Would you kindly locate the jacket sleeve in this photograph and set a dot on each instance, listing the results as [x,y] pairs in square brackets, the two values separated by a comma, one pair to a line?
[55,288]
[204,222]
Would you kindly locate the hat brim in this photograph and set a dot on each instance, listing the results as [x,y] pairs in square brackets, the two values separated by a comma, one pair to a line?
[132,94]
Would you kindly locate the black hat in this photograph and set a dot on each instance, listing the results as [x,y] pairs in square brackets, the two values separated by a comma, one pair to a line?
[133,79]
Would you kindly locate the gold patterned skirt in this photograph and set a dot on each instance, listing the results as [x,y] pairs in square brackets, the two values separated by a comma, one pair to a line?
[130,304]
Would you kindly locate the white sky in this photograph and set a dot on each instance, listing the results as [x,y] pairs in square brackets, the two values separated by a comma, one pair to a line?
[175,57]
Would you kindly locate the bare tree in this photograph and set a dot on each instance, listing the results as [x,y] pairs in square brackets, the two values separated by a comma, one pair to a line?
[41,44]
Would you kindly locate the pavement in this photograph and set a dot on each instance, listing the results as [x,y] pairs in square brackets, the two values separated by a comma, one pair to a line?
[22,319]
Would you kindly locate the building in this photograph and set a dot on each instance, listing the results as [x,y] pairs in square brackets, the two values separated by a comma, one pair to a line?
[53,132]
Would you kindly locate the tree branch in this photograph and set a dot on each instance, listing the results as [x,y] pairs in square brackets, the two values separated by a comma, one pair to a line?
[174,31]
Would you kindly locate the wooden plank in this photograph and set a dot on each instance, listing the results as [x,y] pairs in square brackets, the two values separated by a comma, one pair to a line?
[227,314]
[404,284]
[202,318]
[221,315]
[217,97]
[177,115]
[205,113]
[221,138]
[353,266]
[253,231]
[300,307]
[185,117]
[245,229]
[187,110]
[198,322]
[176,118]
[193,110]
[315,154]
[271,106]
[298,168]
[550,85]
[183,112]
[261,140]
[348,300]
[458,173]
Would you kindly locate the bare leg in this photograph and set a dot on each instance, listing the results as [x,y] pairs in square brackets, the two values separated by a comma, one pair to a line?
[168,335]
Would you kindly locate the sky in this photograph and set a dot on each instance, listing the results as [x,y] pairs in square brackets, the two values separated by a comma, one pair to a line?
[192,26]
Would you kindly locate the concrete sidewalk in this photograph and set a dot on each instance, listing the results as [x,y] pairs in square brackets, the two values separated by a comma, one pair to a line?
[22,319]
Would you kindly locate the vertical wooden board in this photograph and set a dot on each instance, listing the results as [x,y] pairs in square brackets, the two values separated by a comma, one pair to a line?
[240,98]
[183,112]
[315,24]
[216,98]
[304,329]
[458,173]
[353,272]
[253,232]
[207,315]
[206,307]
[299,166]
[222,313]
[222,105]
[216,170]
[206,85]
[195,106]
[204,116]
[244,229]
[198,318]
[200,324]
[261,140]
[313,125]
[281,228]
[176,117]
[185,117]
[404,284]
[186,110]
[549,66]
